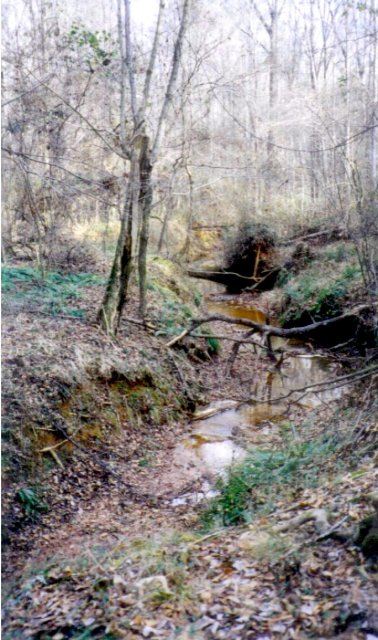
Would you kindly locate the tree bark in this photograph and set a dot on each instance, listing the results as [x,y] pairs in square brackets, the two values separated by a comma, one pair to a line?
[142,161]
[117,287]
[145,203]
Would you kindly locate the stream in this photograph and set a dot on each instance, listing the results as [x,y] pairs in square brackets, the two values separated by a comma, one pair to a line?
[222,432]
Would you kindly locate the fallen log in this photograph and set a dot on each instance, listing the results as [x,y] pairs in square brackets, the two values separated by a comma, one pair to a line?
[217,274]
[328,234]
[236,281]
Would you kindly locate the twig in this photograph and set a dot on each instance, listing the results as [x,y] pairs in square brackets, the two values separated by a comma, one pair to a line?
[56,458]
[178,338]
[53,447]
[235,350]
[141,323]
[210,535]
[255,343]
[329,385]
[331,530]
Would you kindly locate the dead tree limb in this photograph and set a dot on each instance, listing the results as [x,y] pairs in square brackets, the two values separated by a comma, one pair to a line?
[267,329]
[236,347]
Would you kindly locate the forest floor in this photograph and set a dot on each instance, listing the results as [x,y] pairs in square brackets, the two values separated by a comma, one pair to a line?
[113,556]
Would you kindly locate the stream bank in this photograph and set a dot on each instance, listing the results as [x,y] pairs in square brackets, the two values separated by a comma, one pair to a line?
[222,432]
[107,563]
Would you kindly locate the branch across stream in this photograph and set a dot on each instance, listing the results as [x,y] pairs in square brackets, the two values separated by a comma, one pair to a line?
[222,432]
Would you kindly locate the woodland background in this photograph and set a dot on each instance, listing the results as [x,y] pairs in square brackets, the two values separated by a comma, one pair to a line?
[262,111]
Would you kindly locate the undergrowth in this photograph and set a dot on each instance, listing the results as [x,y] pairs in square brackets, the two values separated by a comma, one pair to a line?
[256,484]
[318,293]
[31,501]
[173,317]
[54,292]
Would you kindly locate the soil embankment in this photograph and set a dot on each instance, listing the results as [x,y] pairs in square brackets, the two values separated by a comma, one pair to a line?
[121,549]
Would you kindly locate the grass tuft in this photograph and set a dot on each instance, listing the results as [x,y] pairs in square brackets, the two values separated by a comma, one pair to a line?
[255,485]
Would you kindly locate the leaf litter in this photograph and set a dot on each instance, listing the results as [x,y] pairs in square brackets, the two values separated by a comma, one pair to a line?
[101,564]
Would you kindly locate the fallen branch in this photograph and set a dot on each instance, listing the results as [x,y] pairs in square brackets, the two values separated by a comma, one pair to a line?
[329,385]
[326,233]
[255,343]
[210,273]
[329,532]
[267,329]
[52,447]
[57,459]
[318,515]
[261,281]
[322,525]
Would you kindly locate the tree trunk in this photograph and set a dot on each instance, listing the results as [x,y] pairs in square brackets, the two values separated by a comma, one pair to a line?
[116,291]
[145,203]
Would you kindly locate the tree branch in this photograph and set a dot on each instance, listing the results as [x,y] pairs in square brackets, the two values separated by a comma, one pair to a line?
[172,79]
[267,329]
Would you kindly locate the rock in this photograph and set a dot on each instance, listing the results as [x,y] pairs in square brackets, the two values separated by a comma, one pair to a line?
[251,540]
[206,596]
[153,585]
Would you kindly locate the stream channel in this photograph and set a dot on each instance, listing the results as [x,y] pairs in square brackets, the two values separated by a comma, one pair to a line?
[222,432]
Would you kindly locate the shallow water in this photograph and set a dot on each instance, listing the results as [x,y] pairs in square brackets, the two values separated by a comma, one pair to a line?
[234,310]
[222,431]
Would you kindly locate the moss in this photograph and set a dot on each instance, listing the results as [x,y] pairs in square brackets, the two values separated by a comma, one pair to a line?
[170,281]
[369,546]
[367,538]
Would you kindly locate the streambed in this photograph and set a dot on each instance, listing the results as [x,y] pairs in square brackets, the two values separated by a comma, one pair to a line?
[222,432]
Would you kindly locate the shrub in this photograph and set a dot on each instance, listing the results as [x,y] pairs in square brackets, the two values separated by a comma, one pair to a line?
[340,253]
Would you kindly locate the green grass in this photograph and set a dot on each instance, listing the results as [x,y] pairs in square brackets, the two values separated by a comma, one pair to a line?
[54,292]
[255,485]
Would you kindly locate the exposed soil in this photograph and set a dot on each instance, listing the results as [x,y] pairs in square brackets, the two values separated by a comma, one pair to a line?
[80,570]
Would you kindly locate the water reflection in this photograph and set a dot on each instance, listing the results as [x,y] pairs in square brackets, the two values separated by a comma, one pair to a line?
[235,310]
[212,447]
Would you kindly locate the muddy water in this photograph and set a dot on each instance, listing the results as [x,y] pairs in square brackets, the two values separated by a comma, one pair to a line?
[222,432]
[233,309]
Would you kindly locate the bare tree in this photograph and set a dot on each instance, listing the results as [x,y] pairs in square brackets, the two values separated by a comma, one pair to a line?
[142,148]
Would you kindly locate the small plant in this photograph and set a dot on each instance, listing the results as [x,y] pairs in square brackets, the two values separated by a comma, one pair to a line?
[213,345]
[31,502]
[284,277]
[212,342]
[54,292]
[198,298]
[173,314]
[340,253]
